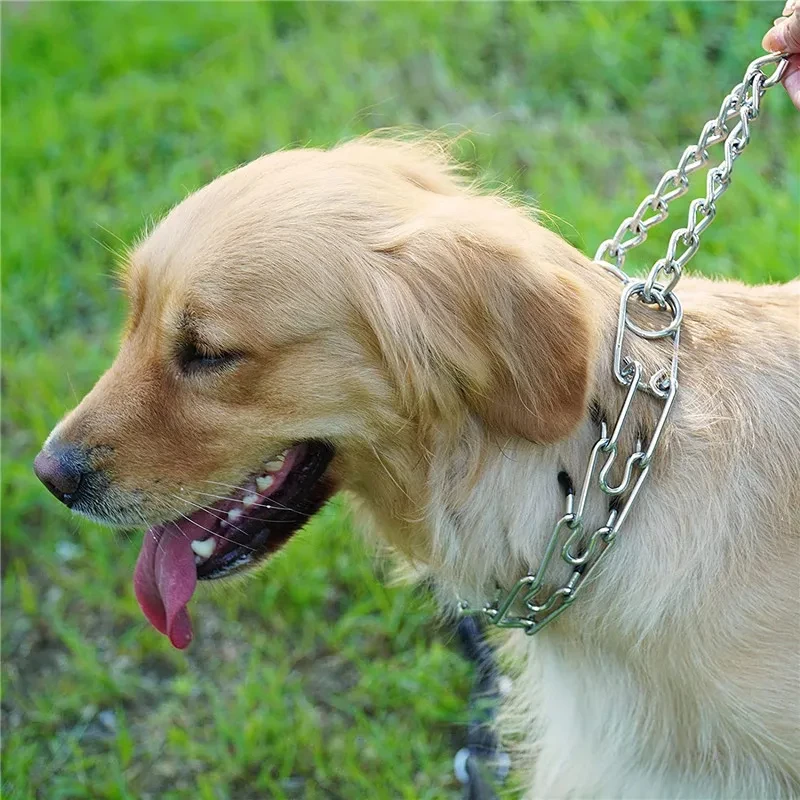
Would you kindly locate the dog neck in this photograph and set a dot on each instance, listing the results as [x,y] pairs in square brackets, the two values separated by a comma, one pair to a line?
[478,510]
[490,531]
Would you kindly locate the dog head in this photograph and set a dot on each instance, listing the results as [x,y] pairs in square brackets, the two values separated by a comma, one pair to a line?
[311,322]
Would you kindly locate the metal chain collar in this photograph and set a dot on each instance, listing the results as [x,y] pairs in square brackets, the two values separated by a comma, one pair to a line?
[525,605]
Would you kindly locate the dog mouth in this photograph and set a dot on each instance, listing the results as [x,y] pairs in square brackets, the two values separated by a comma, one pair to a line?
[243,527]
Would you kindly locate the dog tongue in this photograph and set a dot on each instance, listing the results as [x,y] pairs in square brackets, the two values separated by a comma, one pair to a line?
[165,579]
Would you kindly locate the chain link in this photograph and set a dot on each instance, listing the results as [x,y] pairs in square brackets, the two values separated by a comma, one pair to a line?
[583,548]
[744,102]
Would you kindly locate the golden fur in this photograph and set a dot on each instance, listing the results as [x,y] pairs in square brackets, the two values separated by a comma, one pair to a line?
[451,348]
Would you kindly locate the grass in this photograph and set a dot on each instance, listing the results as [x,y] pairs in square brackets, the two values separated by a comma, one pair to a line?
[317,680]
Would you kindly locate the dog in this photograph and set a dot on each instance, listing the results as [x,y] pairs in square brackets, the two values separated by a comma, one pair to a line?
[363,319]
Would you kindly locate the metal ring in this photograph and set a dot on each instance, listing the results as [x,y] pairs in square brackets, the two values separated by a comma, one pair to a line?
[671,300]
[608,534]
[659,384]
[460,765]
[777,76]
[654,289]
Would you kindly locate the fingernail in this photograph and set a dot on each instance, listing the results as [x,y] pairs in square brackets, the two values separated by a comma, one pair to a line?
[788,9]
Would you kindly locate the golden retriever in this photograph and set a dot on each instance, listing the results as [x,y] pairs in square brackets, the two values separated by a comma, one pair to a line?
[360,319]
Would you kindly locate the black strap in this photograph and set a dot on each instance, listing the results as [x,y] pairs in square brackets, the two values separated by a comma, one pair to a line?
[483,756]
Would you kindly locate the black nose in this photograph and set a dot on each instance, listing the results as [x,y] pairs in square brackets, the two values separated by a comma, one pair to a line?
[60,471]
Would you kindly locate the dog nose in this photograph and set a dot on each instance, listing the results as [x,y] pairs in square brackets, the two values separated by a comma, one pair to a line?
[60,472]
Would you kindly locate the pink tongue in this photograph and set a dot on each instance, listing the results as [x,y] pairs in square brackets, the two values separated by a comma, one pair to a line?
[165,579]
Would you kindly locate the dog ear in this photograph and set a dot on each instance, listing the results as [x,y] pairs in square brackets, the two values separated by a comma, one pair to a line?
[489,322]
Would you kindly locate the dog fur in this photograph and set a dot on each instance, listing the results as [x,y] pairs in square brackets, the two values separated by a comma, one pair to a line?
[451,348]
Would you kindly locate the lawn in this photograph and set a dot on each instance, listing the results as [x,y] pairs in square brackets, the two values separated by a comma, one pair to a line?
[318,679]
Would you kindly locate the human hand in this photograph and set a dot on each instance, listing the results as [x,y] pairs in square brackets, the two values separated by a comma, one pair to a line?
[784,36]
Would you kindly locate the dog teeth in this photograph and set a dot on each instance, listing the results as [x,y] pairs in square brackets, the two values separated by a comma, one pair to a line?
[250,500]
[276,463]
[204,548]
[264,482]
[234,514]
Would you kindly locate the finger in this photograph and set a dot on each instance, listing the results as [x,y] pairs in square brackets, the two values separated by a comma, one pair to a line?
[791,80]
[788,9]
[784,35]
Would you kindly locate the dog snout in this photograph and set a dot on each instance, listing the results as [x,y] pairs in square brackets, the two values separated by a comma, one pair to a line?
[62,470]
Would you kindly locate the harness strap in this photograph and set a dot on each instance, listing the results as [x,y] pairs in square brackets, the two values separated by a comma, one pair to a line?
[482,764]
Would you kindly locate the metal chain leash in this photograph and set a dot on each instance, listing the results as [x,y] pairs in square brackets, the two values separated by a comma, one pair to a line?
[523,606]
[743,102]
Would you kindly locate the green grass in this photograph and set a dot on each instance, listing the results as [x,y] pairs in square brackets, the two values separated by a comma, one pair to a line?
[316,680]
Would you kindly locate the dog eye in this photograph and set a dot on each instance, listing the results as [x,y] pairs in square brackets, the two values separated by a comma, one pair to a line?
[194,358]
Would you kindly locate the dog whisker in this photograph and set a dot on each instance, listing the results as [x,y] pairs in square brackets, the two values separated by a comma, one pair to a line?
[197,524]
[246,490]
[211,511]
[159,544]
[273,504]
[227,486]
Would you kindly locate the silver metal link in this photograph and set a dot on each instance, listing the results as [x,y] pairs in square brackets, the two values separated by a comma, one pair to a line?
[743,101]
[532,603]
